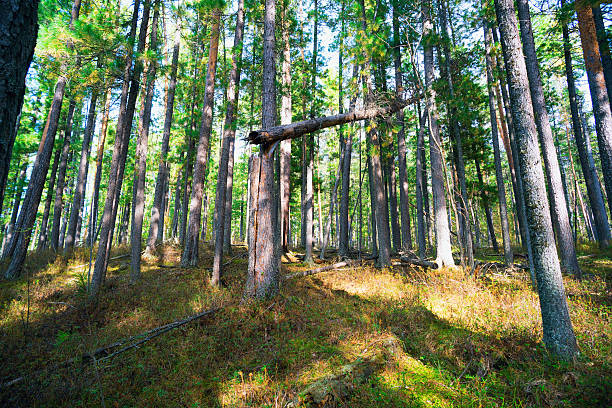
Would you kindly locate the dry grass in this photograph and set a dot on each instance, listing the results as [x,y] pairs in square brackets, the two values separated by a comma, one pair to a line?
[463,342]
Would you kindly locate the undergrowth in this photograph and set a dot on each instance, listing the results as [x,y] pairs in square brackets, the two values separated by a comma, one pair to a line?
[463,341]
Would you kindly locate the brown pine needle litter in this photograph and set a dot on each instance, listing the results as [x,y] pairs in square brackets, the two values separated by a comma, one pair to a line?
[350,336]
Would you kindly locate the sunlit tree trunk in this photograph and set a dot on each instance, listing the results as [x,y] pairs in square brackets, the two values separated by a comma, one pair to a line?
[286,117]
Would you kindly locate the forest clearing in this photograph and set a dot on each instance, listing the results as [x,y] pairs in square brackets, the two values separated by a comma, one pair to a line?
[283,203]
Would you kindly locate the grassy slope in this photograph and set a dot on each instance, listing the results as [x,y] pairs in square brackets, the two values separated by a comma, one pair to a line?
[463,342]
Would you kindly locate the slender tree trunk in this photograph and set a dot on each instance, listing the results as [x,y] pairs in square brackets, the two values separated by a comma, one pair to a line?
[142,147]
[129,90]
[19,28]
[263,273]
[190,253]
[223,193]
[156,228]
[16,203]
[560,214]
[499,177]
[558,333]
[599,94]
[421,187]
[229,187]
[444,255]
[81,175]
[392,190]
[285,145]
[487,208]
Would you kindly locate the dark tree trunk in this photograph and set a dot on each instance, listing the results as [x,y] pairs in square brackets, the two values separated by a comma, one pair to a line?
[487,208]
[142,147]
[17,248]
[192,237]
[82,172]
[16,203]
[392,197]
[19,28]
[559,207]
[223,195]
[263,274]
[599,94]
[156,228]
[444,255]
[129,91]
[558,333]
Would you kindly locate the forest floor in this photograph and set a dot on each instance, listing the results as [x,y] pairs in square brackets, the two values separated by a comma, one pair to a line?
[354,337]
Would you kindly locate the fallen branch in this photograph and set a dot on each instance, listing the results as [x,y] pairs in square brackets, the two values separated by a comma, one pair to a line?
[104,353]
[322,269]
[419,262]
[297,129]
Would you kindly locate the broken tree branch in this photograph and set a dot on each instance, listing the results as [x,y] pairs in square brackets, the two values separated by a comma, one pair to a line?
[297,129]
[323,269]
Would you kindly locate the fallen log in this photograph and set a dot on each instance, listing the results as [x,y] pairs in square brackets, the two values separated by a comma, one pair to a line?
[105,352]
[323,269]
[297,129]
[418,262]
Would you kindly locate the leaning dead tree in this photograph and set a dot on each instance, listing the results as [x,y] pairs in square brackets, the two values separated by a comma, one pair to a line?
[298,129]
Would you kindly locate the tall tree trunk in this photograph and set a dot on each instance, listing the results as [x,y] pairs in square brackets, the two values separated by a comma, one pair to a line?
[156,227]
[263,274]
[58,205]
[227,228]
[376,176]
[559,207]
[192,238]
[444,255]
[19,28]
[599,94]
[222,195]
[401,136]
[43,238]
[129,90]
[558,333]
[455,134]
[18,246]
[16,203]
[98,176]
[142,147]
[499,177]
[587,163]
[487,209]
[82,173]
[286,118]
[421,186]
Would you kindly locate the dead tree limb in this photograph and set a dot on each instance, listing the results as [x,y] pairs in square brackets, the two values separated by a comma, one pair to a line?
[419,262]
[105,352]
[297,129]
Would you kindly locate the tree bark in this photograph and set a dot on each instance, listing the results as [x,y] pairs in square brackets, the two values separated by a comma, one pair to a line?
[223,194]
[444,255]
[421,187]
[263,274]
[558,333]
[192,238]
[18,246]
[604,47]
[286,118]
[19,28]
[599,94]
[156,228]
[560,215]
